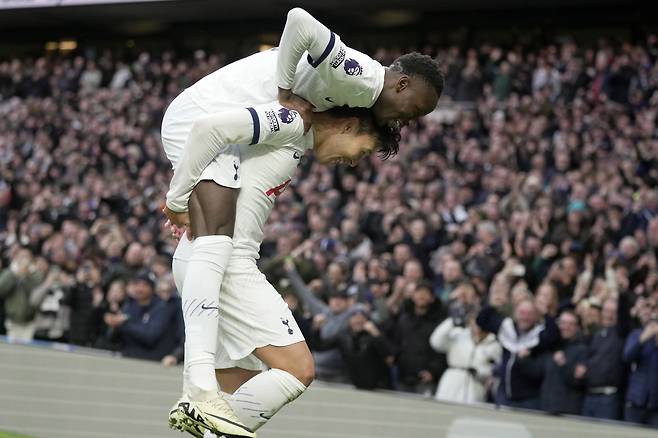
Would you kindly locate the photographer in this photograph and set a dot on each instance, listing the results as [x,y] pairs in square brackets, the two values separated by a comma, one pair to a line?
[52,318]
[471,355]
[367,354]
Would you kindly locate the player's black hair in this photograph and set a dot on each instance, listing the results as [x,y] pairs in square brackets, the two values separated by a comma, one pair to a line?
[387,136]
[416,64]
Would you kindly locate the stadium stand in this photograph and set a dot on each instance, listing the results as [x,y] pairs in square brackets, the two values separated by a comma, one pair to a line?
[531,190]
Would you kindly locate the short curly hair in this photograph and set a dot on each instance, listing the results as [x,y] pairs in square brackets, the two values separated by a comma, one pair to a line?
[426,67]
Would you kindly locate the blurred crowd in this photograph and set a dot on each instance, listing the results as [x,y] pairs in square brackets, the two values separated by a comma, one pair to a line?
[507,255]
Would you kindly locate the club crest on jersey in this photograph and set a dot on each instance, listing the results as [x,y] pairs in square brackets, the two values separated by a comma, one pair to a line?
[286,115]
[339,58]
[272,120]
[287,324]
[352,67]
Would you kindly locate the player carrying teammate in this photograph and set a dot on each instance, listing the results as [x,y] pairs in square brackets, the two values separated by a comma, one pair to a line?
[330,75]
[252,315]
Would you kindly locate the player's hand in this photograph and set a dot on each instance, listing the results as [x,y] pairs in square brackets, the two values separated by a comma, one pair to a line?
[177,223]
[291,101]
[176,231]
[179,219]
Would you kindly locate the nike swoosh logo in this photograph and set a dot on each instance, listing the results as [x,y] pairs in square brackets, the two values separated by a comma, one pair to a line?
[229,422]
[262,415]
[204,307]
[329,99]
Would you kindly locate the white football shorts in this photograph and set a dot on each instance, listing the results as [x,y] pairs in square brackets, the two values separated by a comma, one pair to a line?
[176,126]
[252,314]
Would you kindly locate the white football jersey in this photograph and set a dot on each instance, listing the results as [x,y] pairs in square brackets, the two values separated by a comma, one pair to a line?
[266,172]
[340,76]
[267,124]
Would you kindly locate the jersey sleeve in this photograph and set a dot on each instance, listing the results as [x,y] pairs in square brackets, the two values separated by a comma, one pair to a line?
[266,124]
[275,125]
[352,78]
[302,33]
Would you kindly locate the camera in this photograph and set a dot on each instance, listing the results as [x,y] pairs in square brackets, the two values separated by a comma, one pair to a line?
[458,314]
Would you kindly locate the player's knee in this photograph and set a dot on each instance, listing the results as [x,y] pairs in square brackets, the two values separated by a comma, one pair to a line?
[305,370]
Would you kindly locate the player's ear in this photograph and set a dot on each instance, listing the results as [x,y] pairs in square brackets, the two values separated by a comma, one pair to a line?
[403,82]
[351,125]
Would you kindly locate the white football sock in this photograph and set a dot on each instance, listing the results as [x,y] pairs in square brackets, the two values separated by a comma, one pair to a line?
[200,295]
[260,397]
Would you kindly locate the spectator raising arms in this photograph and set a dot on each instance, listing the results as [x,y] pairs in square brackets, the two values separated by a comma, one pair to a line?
[523,338]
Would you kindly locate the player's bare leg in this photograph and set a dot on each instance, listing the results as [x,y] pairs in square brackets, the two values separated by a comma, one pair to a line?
[212,219]
[230,379]
[257,396]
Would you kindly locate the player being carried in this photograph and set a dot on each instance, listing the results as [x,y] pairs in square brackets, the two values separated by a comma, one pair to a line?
[330,75]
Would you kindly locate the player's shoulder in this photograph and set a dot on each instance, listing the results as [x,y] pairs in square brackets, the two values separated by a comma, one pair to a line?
[347,60]
[277,124]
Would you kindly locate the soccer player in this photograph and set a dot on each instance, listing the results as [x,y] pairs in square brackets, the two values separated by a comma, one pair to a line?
[331,74]
[252,315]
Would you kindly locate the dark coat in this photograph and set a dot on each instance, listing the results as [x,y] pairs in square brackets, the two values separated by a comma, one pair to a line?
[643,380]
[411,334]
[148,333]
[519,377]
[365,359]
[561,392]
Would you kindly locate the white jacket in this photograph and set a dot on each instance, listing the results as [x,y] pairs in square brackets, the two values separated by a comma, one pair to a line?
[458,384]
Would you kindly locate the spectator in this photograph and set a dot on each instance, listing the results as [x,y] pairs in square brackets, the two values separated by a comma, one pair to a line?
[112,304]
[329,322]
[561,389]
[83,298]
[53,316]
[166,291]
[419,367]
[16,285]
[143,327]
[641,351]
[451,276]
[523,339]
[603,369]
[471,354]
[366,353]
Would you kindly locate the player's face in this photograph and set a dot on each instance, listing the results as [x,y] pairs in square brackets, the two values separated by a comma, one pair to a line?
[346,146]
[408,99]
